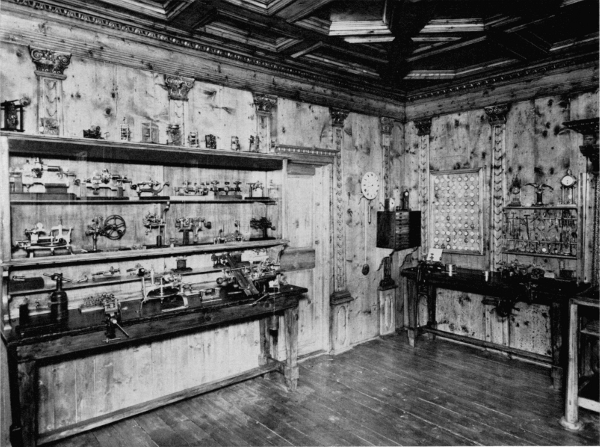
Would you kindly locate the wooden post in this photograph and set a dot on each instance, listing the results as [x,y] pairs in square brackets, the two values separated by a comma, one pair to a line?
[497,118]
[291,348]
[571,418]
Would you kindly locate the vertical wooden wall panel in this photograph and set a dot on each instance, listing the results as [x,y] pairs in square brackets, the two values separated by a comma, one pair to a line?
[76,390]
[301,124]
[529,329]
[362,154]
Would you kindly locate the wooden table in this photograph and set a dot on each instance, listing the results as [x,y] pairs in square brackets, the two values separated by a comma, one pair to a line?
[572,399]
[26,355]
[554,294]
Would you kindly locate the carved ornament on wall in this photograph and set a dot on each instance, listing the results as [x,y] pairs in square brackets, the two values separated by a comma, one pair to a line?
[50,62]
[264,103]
[178,87]
[387,124]
[423,127]
[338,116]
[497,113]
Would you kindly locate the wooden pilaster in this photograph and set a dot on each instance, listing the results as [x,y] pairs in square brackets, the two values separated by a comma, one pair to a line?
[49,70]
[497,118]
[424,130]
[264,116]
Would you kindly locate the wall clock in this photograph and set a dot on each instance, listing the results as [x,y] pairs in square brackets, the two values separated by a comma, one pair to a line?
[369,185]
[567,185]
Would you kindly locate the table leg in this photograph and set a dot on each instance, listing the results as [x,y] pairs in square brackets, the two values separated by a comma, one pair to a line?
[22,376]
[431,305]
[291,348]
[413,307]
[571,418]
[558,312]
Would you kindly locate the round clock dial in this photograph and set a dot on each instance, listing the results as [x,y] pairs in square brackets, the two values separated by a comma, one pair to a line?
[369,185]
[567,180]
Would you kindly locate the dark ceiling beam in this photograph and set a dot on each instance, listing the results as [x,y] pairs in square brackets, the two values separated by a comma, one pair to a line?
[518,46]
[300,8]
[407,19]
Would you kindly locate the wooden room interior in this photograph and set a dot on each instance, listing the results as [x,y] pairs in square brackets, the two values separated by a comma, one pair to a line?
[299,222]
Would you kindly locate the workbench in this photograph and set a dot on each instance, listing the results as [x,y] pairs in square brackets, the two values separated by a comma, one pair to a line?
[28,354]
[553,293]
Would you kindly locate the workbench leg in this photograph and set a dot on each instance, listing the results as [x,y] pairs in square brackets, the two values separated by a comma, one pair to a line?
[23,430]
[291,348]
[431,315]
[265,344]
[412,303]
[558,313]
[571,418]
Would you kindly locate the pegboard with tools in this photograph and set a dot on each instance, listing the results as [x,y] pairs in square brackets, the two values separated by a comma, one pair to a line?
[456,211]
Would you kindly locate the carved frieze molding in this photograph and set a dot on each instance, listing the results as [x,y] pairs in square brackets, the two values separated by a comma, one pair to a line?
[312,155]
[50,63]
[423,131]
[178,87]
[504,77]
[115,25]
[497,117]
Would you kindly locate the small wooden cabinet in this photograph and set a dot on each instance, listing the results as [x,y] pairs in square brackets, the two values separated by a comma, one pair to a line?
[398,229]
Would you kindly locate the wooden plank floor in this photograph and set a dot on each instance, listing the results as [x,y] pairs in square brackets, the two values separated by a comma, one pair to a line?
[380,393]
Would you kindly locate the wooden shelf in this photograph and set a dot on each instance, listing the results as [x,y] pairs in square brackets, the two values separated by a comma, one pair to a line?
[137,254]
[136,201]
[546,207]
[105,281]
[144,153]
[540,255]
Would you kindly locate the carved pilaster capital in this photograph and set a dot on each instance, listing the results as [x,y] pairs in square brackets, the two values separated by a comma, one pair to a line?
[387,124]
[178,87]
[50,63]
[338,116]
[497,113]
[264,103]
[423,127]
[589,128]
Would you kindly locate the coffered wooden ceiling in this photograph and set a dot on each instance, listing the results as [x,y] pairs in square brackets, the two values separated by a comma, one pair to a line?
[402,46]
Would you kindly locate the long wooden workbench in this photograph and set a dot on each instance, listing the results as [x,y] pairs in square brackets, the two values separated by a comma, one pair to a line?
[552,293]
[28,355]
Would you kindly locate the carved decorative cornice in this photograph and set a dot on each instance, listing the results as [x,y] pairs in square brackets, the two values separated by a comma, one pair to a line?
[504,77]
[264,103]
[297,152]
[423,126]
[497,113]
[178,87]
[387,124]
[338,116]
[214,51]
[50,63]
